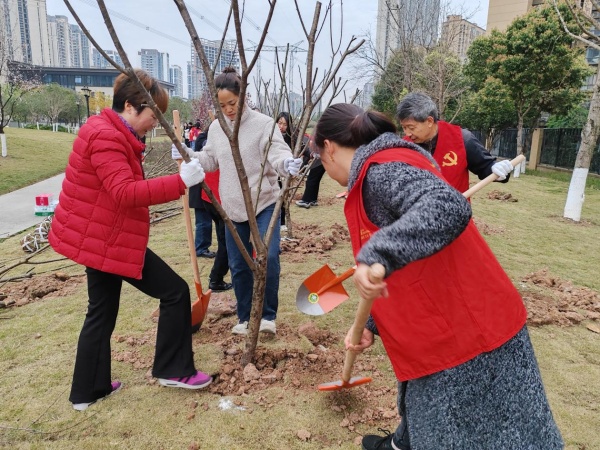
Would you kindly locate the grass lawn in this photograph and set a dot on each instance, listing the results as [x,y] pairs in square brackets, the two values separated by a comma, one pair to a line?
[32,156]
[38,343]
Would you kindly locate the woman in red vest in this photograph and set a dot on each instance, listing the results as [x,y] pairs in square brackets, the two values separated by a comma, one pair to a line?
[453,324]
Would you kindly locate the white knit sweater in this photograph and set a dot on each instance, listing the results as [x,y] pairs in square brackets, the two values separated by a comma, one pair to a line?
[255,139]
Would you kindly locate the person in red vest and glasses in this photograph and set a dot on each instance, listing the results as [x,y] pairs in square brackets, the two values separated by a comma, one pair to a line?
[455,333]
[456,150]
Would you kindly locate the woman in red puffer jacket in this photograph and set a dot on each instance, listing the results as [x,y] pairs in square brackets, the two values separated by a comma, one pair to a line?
[102,222]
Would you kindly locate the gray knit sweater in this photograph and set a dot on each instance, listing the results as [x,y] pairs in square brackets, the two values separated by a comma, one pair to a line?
[257,136]
[417,213]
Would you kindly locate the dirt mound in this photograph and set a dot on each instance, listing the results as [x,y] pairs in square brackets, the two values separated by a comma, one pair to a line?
[281,362]
[22,292]
[487,229]
[558,302]
[502,196]
[311,238]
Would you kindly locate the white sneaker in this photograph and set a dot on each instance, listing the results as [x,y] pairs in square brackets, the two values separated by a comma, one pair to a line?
[240,328]
[267,326]
[283,228]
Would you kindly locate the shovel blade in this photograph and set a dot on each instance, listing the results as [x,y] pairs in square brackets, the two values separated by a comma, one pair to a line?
[307,300]
[199,307]
[341,384]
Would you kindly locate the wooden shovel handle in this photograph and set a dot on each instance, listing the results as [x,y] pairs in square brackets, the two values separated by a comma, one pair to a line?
[376,274]
[186,214]
[490,178]
[337,280]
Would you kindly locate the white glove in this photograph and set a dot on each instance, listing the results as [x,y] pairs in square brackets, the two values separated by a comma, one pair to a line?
[292,166]
[176,155]
[192,173]
[502,169]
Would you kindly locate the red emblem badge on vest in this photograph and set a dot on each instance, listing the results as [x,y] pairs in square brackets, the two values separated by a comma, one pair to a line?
[450,159]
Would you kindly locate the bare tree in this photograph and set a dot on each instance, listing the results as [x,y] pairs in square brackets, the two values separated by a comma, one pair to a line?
[312,96]
[583,29]
[14,84]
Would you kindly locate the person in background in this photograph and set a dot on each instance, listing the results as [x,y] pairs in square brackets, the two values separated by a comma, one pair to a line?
[455,149]
[102,222]
[202,217]
[284,123]
[455,333]
[186,133]
[194,132]
[199,200]
[313,183]
[255,137]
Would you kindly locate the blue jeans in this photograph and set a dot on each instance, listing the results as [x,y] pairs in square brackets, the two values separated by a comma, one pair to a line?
[203,239]
[242,276]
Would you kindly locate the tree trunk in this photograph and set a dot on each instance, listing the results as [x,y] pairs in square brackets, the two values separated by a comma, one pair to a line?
[517,170]
[3,139]
[258,296]
[589,138]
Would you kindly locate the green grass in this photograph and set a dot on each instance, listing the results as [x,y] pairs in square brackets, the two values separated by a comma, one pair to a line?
[37,344]
[32,156]
[592,181]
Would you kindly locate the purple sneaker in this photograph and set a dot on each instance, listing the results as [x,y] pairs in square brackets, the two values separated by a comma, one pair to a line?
[115,386]
[196,381]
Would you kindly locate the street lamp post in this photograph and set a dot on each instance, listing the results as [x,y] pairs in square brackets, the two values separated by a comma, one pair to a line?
[78,103]
[86,92]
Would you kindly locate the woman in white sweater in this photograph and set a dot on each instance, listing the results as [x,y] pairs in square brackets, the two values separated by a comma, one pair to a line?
[257,136]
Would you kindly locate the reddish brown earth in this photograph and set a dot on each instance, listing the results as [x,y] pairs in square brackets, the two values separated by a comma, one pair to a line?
[549,301]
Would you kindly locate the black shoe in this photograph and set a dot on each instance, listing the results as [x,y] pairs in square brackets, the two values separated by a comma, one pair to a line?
[206,254]
[219,286]
[375,442]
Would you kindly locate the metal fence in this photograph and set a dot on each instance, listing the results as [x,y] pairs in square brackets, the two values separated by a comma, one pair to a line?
[559,146]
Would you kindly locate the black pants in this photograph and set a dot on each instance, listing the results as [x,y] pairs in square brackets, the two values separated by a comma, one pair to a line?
[282,216]
[221,264]
[173,354]
[313,182]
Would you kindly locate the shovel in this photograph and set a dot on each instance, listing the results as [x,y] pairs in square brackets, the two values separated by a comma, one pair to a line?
[322,291]
[200,306]
[376,274]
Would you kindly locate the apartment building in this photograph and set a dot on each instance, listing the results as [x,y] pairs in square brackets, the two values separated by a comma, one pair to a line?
[228,57]
[459,33]
[24,31]
[154,62]
[176,78]
[402,22]
[501,13]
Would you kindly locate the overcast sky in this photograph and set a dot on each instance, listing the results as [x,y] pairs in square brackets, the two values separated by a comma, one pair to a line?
[167,33]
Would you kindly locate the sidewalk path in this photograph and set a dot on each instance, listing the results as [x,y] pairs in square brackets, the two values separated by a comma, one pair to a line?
[17,207]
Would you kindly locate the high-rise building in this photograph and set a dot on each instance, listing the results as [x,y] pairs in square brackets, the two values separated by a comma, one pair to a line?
[405,22]
[459,33]
[100,62]
[61,34]
[229,57]
[80,47]
[155,63]
[25,32]
[501,13]
[364,98]
[176,77]
[189,79]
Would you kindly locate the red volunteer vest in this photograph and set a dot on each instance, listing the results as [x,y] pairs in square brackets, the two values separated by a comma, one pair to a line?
[451,156]
[445,309]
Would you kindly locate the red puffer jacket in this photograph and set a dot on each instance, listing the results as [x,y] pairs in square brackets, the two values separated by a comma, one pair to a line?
[102,219]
